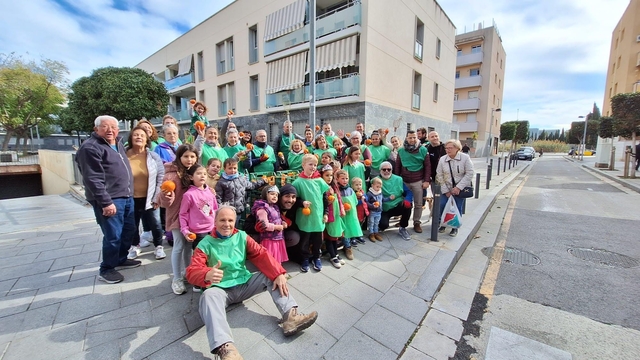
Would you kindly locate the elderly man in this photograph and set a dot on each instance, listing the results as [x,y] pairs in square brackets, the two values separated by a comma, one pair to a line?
[262,158]
[107,180]
[400,205]
[347,141]
[283,141]
[218,264]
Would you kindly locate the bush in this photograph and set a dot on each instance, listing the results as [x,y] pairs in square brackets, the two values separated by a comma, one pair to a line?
[552,146]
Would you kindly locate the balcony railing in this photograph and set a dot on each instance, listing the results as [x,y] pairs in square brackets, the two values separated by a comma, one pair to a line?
[326,24]
[325,89]
[469,59]
[179,81]
[466,104]
[469,81]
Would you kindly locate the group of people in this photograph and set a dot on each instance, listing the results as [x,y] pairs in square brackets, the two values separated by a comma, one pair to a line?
[196,193]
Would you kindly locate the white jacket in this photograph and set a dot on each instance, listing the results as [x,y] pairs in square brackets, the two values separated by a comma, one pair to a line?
[156,174]
[462,169]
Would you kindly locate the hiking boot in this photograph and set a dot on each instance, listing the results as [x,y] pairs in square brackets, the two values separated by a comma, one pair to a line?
[442,229]
[227,351]
[372,238]
[453,232]
[348,253]
[293,322]
[129,264]
[378,236]
[111,277]
[417,228]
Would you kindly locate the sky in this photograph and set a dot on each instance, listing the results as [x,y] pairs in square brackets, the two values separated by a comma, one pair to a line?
[556,64]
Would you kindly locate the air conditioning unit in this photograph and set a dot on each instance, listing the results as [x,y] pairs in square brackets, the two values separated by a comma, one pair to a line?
[638,38]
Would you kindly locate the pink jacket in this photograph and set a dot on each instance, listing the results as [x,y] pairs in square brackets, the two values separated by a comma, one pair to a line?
[197,210]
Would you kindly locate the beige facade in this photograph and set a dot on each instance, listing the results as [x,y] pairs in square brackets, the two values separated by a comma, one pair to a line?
[479,88]
[383,63]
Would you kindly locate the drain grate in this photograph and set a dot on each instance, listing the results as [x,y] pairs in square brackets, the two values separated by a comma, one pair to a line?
[604,257]
[512,256]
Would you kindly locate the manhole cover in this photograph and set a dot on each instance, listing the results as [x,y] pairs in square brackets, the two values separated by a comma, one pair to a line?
[604,257]
[512,256]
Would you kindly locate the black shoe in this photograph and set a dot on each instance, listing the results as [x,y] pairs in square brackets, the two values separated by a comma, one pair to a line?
[453,232]
[129,264]
[442,229]
[111,277]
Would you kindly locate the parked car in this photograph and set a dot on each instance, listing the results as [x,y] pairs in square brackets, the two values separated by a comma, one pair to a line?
[526,153]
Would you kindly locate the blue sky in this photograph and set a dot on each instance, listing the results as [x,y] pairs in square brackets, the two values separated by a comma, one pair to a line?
[557,50]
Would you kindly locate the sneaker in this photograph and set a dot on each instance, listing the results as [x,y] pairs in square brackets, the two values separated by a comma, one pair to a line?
[197,289]
[453,232]
[304,267]
[293,322]
[348,253]
[129,264]
[111,277]
[146,238]
[378,236]
[178,287]
[442,229]
[340,259]
[227,351]
[353,243]
[134,251]
[360,240]
[404,233]
[417,228]
[336,263]
[317,264]
[372,238]
[159,252]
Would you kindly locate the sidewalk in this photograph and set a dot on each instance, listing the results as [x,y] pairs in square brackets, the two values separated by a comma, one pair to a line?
[52,306]
[615,175]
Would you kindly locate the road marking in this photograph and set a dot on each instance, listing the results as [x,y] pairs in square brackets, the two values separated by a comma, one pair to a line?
[590,189]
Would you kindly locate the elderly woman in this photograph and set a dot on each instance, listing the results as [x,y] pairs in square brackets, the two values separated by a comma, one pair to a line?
[147,171]
[167,149]
[400,205]
[454,173]
[356,140]
[320,146]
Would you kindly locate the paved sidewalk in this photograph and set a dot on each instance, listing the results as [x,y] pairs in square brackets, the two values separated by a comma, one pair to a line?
[615,175]
[52,306]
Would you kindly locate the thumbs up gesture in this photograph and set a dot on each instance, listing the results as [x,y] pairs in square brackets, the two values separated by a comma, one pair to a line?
[214,276]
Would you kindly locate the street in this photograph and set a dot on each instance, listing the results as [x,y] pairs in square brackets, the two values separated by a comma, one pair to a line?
[564,279]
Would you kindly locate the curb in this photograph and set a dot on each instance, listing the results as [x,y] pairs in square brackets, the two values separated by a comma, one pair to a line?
[622,182]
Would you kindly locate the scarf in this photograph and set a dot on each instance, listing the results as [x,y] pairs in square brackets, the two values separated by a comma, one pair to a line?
[211,143]
[260,144]
[336,191]
[410,148]
[375,192]
[315,175]
[230,177]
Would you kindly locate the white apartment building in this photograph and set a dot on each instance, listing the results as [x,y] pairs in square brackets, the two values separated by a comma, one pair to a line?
[384,63]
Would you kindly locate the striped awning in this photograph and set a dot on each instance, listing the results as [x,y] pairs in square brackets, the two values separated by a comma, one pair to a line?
[286,73]
[285,20]
[465,111]
[337,54]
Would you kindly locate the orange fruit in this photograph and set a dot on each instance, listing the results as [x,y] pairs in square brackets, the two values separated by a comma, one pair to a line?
[368,142]
[376,204]
[192,236]
[347,206]
[230,112]
[280,154]
[306,151]
[168,186]
[192,101]
[347,135]
[249,146]
[317,127]
[367,162]
[241,134]
[306,211]
[386,131]
[199,125]
[331,198]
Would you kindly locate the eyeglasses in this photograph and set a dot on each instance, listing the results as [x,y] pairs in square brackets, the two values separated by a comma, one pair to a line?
[385,169]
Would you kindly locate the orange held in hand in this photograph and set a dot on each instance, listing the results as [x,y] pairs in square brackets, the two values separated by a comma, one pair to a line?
[191,236]
[306,211]
[347,135]
[368,142]
[386,131]
[367,162]
[230,112]
[241,134]
[317,127]
[199,125]
[376,204]
[347,206]
[249,146]
[331,198]
[280,154]
[192,101]
[306,151]
[168,186]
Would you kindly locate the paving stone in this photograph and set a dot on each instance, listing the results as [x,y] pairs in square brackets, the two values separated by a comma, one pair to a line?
[40,239]
[311,343]
[58,253]
[85,307]
[431,280]
[425,251]
[454,300]
[356,345]
[261,350]
[418,266]
[61,292]
[38,248]
[360,259]
[192,346]
[462,280]
[445,324]
[505,345]
[334,315]
[9,326]
[6,285]
[34,282]
[87,248]
[386,327]
[410,353]
[433,344]
[89,270]
[106,351]
[37,320]
[404,304]
[376,278]
[250,324]
[313,284]
[399,243]
[265,301]
[391,265]
[140,290]
[8,253]
[146,342]
[60,343]
[373,249]
[13,304]
[341,275]
[17,260]
[193,320]
[407,282]
[357,294]
[71,261]
[174,308]
[114,329]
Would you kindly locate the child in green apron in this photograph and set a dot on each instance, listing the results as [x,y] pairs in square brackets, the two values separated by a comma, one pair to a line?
[334,229]
[352,229]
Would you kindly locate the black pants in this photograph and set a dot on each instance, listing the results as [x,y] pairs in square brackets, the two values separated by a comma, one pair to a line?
[310,238]
[149,221]
[404,213]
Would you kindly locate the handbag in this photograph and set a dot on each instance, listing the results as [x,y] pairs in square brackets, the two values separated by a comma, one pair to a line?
[467,192]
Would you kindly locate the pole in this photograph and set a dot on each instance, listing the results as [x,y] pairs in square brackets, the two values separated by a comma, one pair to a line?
[499,158]
[490,137]
[504,167]
[312,64]
[584,139]
[435,212]
[488,175]
[477,186]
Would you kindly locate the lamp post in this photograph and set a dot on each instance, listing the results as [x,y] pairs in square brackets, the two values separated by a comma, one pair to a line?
[584,137]
[490,134]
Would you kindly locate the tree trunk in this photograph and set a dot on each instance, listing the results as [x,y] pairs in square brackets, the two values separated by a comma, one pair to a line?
[633,158]
[7,139]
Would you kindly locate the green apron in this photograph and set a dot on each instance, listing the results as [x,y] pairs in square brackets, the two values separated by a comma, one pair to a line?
[413,161]
[392,186]
[378,155]
[295,161]
[335,228]
[231,151]
[209,152]
[232,253]
[350,221]
[356,171]
[319,152]
[265,166]
[311,190]
[285,144]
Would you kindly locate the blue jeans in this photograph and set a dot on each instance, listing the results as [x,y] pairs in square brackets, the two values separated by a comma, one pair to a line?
[117,230]
[459,203]
[374,221]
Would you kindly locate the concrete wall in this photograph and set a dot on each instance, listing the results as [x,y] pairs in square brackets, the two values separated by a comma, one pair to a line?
[57,171]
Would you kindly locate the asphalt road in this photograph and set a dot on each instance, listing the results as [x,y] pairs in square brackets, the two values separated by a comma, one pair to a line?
[589,309]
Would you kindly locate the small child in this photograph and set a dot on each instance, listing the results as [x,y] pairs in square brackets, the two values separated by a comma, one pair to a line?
[363,209]
[296,152]
[197,210]
[352,229]
[214,166]
[325,159]
[333,230]
[199,111]
[232,186]
[375,199]
[354,167]
[270,224]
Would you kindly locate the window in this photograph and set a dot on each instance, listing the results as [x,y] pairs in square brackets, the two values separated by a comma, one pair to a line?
[610,93]
[438,47]
[201,96]
[613,67]
[473,94]
[615,89]
[435,92]
[500,63]
[200,60]
[622,35]
[253,44]
[417,51]
[226,98]
[459,52]
[494,99]
[457,74]
[476,49]
[417,86]
[474,72]
[619,60]
[430,129]
[254,93]
[455,97]
[495,78]
[500,84]
[409,126]
[471,117]
[224,56]
[616,43]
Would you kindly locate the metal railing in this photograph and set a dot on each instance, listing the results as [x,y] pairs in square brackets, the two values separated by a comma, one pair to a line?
[341,86]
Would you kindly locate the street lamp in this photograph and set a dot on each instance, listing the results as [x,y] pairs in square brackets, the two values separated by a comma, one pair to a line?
[584,137]
[490,134]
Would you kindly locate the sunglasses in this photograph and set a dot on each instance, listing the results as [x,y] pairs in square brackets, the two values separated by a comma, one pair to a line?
[385,169]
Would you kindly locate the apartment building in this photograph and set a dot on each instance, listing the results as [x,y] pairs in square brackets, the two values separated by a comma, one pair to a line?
[383,63]
[479,88]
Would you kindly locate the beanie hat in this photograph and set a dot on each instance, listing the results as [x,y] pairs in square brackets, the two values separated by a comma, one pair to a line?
[288,189]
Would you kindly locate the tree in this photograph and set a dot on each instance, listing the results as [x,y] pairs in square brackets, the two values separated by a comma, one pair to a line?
[543,135]
[522,132]
[625,109]
[605,129]
[31,93]
[595,113]
[562,136]
[576,133]
[507,131]
[124,93]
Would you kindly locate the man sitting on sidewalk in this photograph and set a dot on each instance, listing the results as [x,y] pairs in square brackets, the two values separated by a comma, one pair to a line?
[218,264]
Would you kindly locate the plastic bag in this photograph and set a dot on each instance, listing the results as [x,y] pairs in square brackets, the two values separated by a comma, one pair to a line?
[450,215]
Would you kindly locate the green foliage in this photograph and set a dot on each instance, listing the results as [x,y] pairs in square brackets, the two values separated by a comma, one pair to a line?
[625,110]
[562,136]
[595,113]
[522,131]
[124,93]
[605,129]
[508,131]
[576,132]
[550,146]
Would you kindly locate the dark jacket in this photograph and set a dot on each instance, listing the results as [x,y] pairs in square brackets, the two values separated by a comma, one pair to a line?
[276,145]
[232,192]
[435,153]
[106,174]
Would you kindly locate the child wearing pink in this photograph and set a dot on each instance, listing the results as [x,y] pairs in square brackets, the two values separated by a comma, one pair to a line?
[269,223]
[197,210]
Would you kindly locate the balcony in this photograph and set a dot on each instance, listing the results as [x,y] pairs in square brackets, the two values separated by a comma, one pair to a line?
[181,115]
[326,24]
[467,126]
[179,81]
[467,104]
[469,59]
[469,81]
[325,89]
